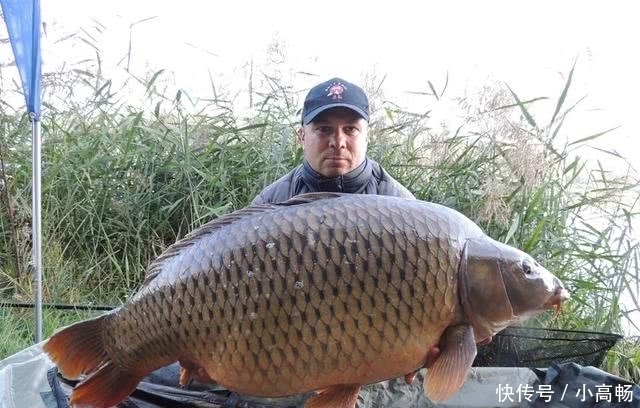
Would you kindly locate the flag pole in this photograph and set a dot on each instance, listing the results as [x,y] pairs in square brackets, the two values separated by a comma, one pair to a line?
[23,25]
[36,230]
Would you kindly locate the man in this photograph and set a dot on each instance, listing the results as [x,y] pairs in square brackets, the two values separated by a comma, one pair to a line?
[334,138]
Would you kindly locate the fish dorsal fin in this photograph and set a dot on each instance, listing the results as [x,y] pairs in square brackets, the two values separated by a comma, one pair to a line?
[311,197]
[155,267]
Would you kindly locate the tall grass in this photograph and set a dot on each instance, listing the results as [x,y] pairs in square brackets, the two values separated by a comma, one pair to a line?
[508,170]
[122,181]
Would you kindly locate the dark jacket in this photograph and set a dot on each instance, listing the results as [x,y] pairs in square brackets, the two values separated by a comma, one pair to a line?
[368,178]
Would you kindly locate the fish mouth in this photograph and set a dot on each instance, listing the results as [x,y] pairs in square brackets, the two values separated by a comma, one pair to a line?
[557,299]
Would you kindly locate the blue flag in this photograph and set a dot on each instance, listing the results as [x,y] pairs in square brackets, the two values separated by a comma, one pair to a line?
[23,24]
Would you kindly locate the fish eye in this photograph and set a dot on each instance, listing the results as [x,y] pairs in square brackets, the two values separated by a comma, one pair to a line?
[526,268]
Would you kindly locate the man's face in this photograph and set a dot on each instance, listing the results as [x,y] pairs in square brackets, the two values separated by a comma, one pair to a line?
[335,142]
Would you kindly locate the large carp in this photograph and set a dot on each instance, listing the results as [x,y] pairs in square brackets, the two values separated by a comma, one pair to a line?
[325,292]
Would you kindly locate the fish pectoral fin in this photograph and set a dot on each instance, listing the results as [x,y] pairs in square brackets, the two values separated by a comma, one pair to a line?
[190,372]
[185,379]
[448,372]
[336,396]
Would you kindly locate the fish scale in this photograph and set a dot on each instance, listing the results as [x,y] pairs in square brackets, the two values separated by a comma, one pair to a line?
[324,292]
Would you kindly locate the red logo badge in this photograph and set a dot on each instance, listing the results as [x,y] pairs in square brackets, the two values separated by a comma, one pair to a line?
[336,90]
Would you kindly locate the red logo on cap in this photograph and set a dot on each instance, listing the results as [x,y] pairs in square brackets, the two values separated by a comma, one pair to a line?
[336,91]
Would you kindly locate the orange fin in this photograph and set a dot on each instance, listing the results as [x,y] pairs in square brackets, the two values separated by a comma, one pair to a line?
[185,377]
[449,370]
[105,388]
[78,350]
[336,396]
[190,372]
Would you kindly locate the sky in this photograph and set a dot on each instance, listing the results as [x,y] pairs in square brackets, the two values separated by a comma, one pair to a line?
[531,46]
[409,41]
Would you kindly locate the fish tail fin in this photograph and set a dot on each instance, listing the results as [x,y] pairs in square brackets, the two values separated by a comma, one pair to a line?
[105,388]
[79,350]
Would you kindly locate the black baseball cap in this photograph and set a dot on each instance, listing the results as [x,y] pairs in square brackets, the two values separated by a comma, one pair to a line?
[331,94]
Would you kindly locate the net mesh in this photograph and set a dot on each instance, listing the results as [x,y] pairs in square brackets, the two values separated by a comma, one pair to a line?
[539,348]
